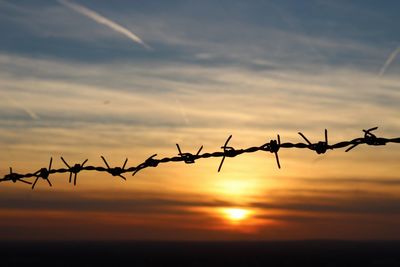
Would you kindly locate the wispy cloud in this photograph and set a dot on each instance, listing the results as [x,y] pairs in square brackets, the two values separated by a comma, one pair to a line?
[103,20]
[27,110]
[389,61]
[101,201]
[332,201]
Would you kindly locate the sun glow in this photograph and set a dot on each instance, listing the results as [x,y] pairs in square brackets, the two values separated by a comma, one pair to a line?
[236,214]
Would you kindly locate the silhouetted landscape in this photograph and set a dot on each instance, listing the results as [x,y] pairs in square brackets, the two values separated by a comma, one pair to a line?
[167,253]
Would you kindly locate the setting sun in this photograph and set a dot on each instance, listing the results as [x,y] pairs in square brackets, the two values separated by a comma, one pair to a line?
[236,214]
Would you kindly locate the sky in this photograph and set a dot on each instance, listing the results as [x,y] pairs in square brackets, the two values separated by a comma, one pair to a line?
[128,79]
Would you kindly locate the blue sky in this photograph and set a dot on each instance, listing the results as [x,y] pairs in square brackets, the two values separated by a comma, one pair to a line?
[339,33]
[272,39]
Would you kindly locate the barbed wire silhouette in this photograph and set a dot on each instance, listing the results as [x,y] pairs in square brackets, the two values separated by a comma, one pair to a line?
[273,146]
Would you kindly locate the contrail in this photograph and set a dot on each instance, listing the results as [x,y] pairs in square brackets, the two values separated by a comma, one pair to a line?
[103,20]
[28,111]
[389,60]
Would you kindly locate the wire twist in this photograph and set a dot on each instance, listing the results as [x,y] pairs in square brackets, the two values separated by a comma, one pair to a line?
[273,146]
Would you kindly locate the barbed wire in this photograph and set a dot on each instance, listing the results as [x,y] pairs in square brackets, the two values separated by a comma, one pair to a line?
[273,146]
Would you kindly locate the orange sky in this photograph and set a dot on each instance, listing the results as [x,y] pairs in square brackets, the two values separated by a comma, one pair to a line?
[308,198]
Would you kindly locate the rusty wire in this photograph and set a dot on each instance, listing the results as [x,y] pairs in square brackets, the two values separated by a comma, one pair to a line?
[273,146]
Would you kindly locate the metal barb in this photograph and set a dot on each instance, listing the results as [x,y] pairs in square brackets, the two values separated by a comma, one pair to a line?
[149,162]
[274,147]
[305,138]
[15,177]
[321,147]
[116,171]
[228,151]
[188,158]
[74,169]
[44,174]
[369,139]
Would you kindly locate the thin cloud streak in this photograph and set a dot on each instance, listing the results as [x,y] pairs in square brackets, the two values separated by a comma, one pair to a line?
[103,20]
[389,61]
[345,202]
[27,110]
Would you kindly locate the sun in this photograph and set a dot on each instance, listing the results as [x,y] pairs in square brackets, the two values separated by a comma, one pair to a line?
[236,214]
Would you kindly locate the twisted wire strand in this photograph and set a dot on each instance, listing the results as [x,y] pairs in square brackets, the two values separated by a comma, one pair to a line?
[273,146]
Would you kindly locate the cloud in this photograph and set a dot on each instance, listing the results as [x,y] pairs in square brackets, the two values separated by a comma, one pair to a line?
[389,61]
[104,21]
[333,202]
[220,100]
[27,110]
[350,180]
[140,203]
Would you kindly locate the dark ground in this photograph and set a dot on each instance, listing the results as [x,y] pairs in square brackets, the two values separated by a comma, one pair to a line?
[293,253]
